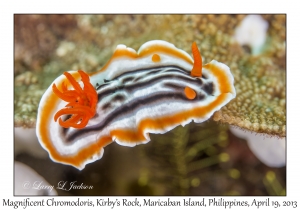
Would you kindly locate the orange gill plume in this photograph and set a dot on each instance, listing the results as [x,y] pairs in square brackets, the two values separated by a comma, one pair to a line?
[81,102]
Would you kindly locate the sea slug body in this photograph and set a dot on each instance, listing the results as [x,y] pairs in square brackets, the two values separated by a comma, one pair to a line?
[134,94]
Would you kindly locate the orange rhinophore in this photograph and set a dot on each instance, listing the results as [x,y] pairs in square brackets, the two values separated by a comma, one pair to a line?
[197,68]
[82,102]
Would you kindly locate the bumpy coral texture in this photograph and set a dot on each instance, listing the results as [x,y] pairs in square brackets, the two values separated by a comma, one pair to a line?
[260,102]
[260,82]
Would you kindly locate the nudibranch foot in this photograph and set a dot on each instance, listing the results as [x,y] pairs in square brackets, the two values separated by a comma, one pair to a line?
[152,90]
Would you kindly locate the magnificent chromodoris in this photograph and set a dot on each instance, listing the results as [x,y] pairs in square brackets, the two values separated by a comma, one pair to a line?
[134,94]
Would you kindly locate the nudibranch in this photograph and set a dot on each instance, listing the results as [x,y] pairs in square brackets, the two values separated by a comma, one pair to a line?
[134,94]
